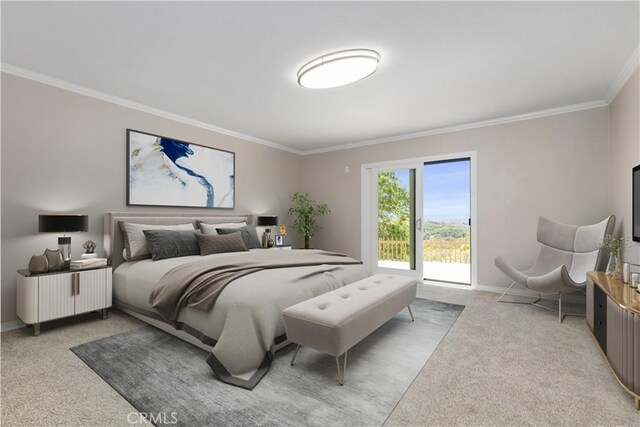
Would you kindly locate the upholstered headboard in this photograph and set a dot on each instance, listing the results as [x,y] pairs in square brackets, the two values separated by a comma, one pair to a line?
[114,244]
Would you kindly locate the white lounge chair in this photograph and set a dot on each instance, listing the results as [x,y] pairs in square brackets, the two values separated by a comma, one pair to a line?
[567,253]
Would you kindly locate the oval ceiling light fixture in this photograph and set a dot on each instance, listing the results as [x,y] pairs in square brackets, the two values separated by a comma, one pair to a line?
[338,68]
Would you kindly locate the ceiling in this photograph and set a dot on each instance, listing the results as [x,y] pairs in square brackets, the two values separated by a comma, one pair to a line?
[233,64]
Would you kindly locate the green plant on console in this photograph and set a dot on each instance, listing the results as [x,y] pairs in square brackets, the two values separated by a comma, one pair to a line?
[305,210]
[612,244]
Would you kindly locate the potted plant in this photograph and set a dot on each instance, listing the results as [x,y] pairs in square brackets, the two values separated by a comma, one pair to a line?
[614,246]
[305,210]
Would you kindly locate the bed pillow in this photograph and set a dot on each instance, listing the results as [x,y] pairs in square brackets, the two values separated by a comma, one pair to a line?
[135,242]
[211,228]
[172,243]
[249,235]
[218,244]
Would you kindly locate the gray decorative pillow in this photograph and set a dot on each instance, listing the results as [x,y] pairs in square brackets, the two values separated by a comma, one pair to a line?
[211,228]
[218,243]
[249,235]
[135,242]
[171,244]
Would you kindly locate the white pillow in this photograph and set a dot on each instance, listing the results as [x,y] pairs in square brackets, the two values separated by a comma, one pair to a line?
[211,228]
[135,242]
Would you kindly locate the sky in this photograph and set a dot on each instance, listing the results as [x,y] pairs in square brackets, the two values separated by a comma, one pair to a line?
[446,190]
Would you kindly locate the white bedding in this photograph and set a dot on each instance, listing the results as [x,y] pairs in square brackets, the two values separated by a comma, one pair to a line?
[247,315]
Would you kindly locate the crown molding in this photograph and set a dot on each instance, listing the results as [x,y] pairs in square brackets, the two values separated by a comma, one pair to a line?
[449,129]
[61,84]
[627,71]
[41,78]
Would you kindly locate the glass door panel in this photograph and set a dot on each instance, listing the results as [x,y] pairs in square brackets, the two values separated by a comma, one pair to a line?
[395,192]
[447,221]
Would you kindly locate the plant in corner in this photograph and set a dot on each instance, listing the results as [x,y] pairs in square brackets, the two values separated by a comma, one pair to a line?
[305,210]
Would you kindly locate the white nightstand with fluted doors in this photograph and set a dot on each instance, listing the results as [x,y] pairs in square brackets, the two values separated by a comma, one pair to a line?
[49,296]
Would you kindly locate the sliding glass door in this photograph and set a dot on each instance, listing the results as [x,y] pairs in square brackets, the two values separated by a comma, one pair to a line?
[394,216]
[417,219]
[447,221]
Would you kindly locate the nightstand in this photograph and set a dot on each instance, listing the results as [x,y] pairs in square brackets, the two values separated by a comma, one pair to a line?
[49,296]
[281,248]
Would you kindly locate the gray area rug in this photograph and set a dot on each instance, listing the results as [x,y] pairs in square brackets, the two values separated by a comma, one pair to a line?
[160,374]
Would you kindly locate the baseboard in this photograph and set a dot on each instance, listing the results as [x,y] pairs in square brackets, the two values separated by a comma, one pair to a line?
[574,298]
[11,325]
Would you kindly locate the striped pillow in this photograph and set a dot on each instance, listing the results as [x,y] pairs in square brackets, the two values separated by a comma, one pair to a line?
[217,244]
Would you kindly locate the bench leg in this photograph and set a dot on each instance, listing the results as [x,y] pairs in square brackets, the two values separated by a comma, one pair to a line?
[342,373]
[295,353]
[411,313]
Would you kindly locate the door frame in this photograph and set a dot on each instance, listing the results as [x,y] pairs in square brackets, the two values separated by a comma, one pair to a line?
[368,204]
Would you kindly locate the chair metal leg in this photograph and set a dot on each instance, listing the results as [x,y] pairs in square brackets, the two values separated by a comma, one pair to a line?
[516,302]
[342,373]
[411,313]
[561,315]
[295,353]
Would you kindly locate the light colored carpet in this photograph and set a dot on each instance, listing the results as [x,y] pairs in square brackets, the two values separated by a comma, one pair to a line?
[161,374]
[500,364]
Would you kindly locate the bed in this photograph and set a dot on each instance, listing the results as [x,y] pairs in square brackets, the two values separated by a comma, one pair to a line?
[243,329]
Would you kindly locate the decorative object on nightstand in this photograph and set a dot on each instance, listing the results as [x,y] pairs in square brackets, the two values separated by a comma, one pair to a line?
[63,224]
[283,233]
[38,264]
[306,210]
[280,240]
[54,260]
[89,248]
[267,221]
[44,297]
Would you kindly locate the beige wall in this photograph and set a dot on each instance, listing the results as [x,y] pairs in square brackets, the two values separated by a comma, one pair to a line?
[64,152]
[624,116]
[555,166]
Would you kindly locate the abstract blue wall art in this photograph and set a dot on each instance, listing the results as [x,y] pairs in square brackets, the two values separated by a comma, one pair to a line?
[168,172]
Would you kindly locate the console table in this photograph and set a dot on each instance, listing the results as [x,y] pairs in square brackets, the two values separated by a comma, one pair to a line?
[613,315]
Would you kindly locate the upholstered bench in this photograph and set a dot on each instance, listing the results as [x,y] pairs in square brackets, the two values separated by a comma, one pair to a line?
[336,321]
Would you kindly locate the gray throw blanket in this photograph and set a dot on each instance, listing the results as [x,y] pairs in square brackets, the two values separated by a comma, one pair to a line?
[198,284]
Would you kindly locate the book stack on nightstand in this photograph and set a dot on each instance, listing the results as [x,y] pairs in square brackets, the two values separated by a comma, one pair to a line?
[49,296]
[88,263]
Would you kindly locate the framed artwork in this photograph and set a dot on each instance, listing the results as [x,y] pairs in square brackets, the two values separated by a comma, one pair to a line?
[164,171]
[279,240]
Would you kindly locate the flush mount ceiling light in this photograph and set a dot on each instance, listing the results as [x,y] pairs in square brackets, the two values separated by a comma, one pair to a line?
[338,68]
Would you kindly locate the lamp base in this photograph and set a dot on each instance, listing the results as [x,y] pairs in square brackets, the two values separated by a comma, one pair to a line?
[64,244]
[267,241]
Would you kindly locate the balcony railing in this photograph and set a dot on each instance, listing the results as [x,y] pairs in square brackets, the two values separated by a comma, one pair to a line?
[458,251]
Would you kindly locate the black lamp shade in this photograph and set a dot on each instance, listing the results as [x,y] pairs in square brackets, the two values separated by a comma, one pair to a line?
[62,223]
[267,221]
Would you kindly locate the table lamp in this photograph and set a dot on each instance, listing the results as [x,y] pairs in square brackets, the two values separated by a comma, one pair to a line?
[267,221]
[63,224]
